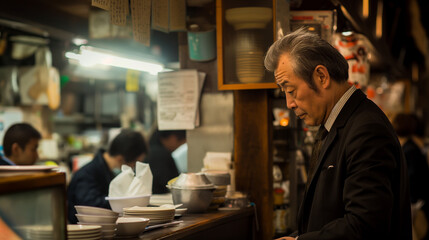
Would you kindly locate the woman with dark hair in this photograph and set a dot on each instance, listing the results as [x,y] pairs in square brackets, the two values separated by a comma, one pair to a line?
[90,184]
[406,126]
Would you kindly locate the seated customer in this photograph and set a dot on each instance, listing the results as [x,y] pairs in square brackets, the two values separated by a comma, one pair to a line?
[406,126]
[90,185]
[160,160]
[20,145]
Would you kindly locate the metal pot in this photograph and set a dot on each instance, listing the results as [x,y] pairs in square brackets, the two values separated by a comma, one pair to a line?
[196,200]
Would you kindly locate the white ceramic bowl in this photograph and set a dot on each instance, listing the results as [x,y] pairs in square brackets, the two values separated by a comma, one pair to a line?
[218,178]
[108,232]
[104,226]
[131,226]
[249,17]
[95,219]
[88,210]
[119,203]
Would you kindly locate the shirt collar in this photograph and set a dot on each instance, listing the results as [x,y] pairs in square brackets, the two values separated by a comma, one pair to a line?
[337,108]
[8,161]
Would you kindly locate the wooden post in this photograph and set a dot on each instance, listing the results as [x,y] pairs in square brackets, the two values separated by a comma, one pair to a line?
[253,154]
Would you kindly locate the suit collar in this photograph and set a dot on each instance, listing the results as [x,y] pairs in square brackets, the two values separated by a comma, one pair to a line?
[341,120]
[357,97]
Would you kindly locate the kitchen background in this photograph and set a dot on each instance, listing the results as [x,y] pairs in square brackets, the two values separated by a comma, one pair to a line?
[76,105]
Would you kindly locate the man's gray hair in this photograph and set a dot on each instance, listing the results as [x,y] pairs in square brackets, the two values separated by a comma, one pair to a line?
[307,50]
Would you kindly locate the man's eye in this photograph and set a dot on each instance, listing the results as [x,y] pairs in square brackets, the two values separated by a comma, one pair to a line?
[290,92]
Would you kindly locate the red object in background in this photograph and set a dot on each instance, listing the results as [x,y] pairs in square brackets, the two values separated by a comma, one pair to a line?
[370,92]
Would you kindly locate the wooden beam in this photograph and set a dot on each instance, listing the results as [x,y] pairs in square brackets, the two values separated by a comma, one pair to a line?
[253,154]
[46,14]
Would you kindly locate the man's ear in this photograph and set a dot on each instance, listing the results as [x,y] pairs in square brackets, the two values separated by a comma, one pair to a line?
[321,76]
[15,148]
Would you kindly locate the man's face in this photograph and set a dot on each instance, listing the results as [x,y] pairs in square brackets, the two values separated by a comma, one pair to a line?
[28,155]
[308,105]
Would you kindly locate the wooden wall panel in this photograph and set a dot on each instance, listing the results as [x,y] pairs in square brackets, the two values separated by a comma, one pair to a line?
[253,155]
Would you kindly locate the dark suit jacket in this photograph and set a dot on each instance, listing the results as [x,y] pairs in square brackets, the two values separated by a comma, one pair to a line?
[418,173]
[360,187]
[89,186]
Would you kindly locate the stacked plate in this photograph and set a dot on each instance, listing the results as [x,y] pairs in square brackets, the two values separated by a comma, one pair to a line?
[105,218]
[37,232]
[157,215]
[249,57]
[88,232]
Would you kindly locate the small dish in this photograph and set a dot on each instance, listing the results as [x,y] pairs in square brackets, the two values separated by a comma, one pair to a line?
[104,226]
[180,211]
[131,226]
[89,210]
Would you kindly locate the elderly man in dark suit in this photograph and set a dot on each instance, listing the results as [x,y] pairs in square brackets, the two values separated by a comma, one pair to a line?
[357,187]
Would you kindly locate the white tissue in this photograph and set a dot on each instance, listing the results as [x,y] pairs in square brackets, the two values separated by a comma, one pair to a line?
[128,185]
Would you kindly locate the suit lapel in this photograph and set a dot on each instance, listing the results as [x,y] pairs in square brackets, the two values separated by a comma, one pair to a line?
[340,121]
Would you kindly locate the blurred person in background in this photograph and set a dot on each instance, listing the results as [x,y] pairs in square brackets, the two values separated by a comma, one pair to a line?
[20,144]
[180,156]
[89,186]
[160,159]
[406,126]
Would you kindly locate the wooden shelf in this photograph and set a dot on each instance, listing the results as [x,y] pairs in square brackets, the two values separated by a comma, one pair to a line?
[227,79]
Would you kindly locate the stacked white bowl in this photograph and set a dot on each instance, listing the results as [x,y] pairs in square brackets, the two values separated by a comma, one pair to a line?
[106,218]
[220,179]
[119,203]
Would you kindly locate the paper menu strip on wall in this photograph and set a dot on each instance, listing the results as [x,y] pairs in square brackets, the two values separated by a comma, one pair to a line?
[140,13]
[177,18]
[103,4]
[178,97]
[160,15]
[118,12]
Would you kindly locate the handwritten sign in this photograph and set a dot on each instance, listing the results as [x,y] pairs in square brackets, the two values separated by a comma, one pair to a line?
[103,4]
[140,15]
[177,20]
[118,12]
[178,97]
[160,15]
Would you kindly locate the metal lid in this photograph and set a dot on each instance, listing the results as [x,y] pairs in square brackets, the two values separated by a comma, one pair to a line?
[192,181]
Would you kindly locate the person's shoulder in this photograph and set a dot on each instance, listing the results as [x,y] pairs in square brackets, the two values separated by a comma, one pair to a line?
[3,162]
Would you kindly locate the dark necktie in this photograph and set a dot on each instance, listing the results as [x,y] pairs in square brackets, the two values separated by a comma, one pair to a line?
[317,147]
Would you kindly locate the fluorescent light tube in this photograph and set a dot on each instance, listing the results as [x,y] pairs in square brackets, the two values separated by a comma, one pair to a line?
[90,57]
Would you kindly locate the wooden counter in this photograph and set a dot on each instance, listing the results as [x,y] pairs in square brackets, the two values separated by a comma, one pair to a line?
[224,224]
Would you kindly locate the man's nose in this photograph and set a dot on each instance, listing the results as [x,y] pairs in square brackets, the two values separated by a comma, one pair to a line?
[290,103]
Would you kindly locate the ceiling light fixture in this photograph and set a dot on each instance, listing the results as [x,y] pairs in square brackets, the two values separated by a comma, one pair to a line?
[379,20]
[365,8]
[90,56]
